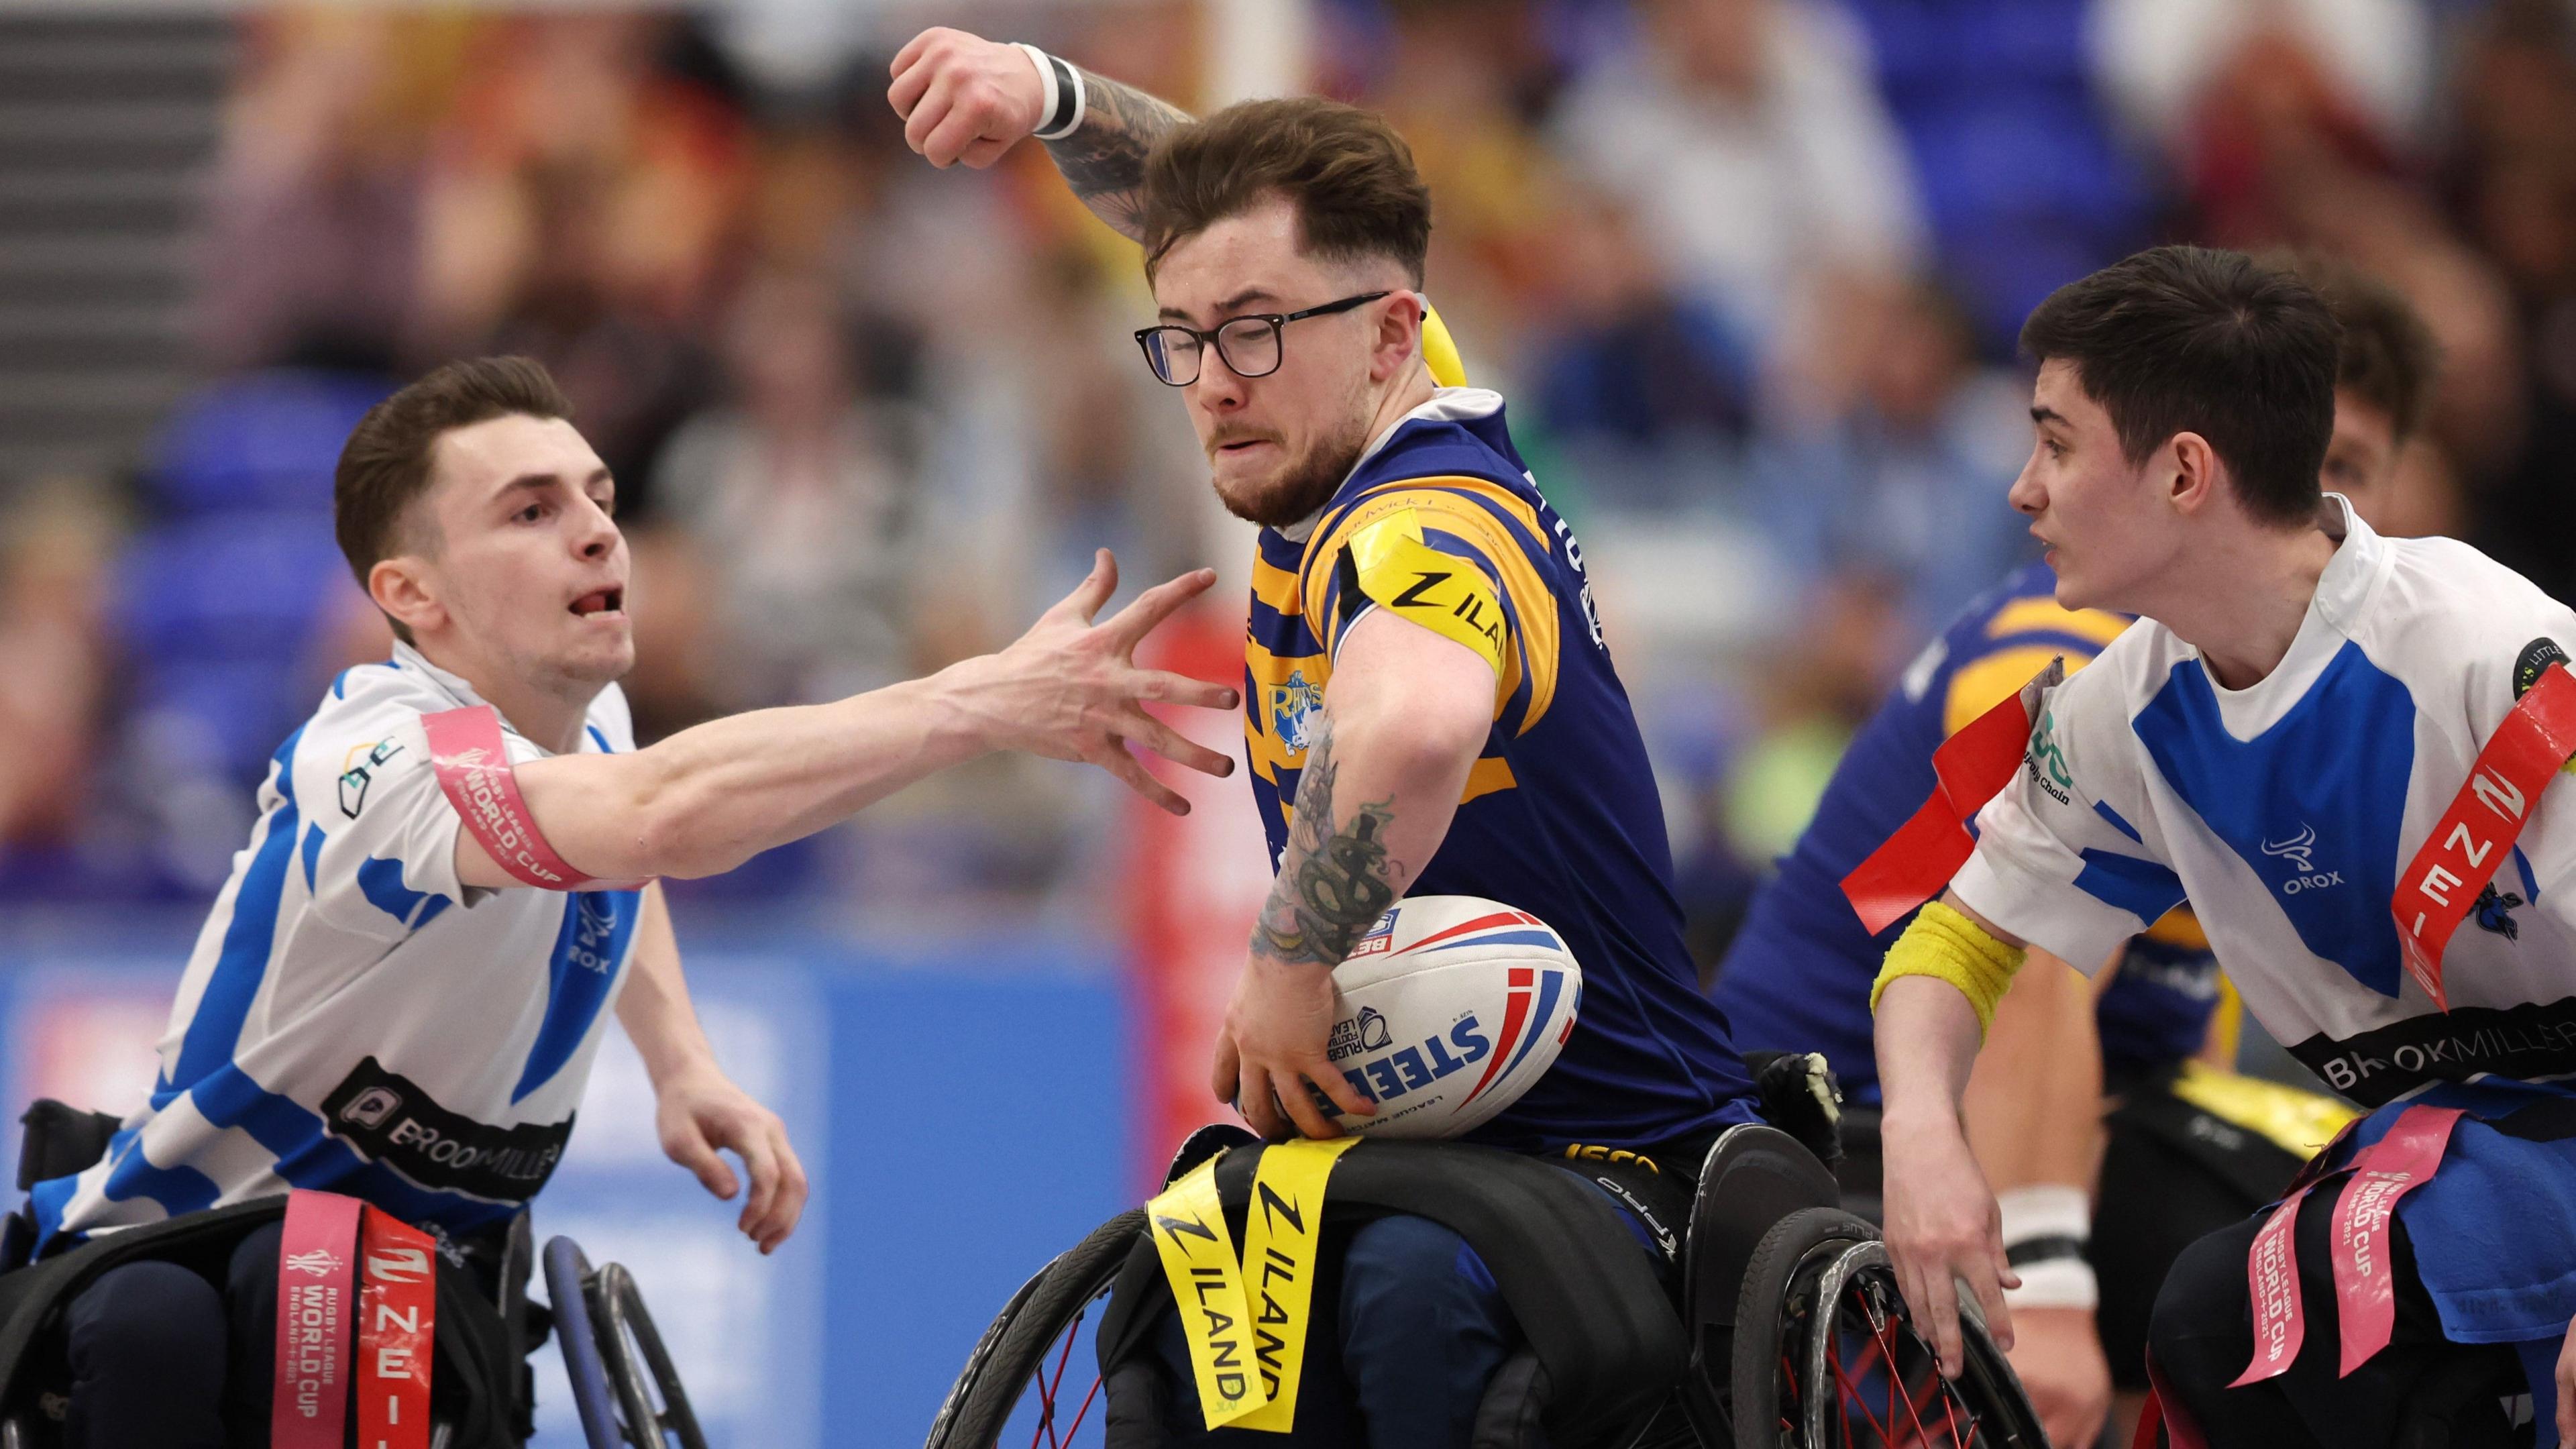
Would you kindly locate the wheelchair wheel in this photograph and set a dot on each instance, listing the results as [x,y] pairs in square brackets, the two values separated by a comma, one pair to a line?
[614,1357]
[1022,1385]
[1841,1365]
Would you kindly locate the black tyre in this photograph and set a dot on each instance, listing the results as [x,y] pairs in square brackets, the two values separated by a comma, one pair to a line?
[1022,1376]
[1826,1355]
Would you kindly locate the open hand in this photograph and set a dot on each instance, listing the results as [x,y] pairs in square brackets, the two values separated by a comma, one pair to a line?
[1070,690]
[1943,1229]
[964,98]
[702,1113]
[1273,1045]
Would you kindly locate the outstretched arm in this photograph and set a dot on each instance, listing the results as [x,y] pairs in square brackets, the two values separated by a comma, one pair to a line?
[964,98]
[709,798]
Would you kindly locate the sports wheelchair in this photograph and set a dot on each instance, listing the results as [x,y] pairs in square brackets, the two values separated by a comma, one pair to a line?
[1789,1332]
[623,1383]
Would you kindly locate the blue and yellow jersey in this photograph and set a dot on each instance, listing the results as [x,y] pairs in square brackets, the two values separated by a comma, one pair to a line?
[1797,976]
[1560,815]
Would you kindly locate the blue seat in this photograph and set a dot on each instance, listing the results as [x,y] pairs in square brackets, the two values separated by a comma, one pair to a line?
[266,440]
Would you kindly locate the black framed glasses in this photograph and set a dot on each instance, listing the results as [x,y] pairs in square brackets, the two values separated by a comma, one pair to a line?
[1249,345]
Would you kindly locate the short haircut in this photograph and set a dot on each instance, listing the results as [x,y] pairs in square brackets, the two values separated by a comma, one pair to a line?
[2389,358]
[384,467]
[2187,339]
[1350,176]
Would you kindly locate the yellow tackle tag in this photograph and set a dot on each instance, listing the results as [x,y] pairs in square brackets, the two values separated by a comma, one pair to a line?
[2298,1121]
[1188,1224]
[1280,1234]
[1440,350]
[1444,593]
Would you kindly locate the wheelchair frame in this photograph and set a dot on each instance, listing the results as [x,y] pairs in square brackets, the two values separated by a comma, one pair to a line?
[1766,1247]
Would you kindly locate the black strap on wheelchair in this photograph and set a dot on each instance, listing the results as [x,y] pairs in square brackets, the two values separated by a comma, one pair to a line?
[33,1297]
[479,1382]
[1582,1289]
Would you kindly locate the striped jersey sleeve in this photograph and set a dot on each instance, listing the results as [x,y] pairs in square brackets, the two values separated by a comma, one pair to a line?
[1459,556]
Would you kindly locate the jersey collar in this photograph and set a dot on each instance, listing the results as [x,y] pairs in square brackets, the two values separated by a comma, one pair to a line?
[1447,405]
[2344,592]
[2360,561]
[408,657]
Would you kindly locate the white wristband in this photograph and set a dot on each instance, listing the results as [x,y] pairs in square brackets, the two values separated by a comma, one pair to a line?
[2055,1283]
[2045,1228]
[2045,1210]
[1058,77]
[1046,79]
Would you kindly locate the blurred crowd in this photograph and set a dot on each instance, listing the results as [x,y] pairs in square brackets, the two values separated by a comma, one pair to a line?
[1749,270]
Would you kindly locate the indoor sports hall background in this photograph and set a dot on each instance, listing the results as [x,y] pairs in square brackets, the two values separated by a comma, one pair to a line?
[1749,271]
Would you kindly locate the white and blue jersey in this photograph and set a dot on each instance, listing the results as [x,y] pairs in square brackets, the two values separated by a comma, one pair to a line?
[353,1018]
[2285,811]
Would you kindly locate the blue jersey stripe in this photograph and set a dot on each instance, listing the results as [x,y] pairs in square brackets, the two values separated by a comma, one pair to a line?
[381,882]
[2312,805]
[234,984]
[2103,809]
[2141,887]
[597,928]
[312,853]
[177,1189]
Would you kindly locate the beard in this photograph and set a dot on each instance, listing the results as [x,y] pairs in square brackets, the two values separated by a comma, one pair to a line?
[1301,485]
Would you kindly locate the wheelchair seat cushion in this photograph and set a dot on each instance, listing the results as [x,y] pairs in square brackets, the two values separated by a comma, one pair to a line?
[1582,1288]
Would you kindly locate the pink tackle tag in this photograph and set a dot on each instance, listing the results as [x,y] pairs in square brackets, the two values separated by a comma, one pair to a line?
[316,1265]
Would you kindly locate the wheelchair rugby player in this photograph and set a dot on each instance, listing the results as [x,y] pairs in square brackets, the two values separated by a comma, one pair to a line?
[1430,711]
[393,1008]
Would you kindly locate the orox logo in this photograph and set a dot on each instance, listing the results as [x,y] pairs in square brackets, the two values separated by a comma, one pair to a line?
[2300,852]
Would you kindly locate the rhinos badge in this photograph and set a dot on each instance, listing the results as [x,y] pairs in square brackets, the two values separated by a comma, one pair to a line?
[1293,707]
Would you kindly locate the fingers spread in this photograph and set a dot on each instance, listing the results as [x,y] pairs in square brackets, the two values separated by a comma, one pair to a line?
[1164,687]
[1156,604]
[1093,591]
[1174,746]
[1114,758]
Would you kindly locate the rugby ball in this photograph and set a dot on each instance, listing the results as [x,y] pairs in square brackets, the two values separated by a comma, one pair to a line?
[1448,1009]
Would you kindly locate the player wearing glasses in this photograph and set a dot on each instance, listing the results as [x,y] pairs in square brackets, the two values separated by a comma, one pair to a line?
[1429,706]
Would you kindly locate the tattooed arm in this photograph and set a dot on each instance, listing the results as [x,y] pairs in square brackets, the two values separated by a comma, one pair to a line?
[1404,718]
[963,98]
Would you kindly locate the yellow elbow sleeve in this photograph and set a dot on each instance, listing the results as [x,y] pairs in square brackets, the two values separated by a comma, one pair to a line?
[1945,944]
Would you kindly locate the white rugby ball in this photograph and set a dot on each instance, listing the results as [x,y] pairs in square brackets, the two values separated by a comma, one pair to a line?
[1449,1008]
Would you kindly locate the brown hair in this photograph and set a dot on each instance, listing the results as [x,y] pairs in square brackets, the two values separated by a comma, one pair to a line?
[1347,172]
[2389,358]
[384,467]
